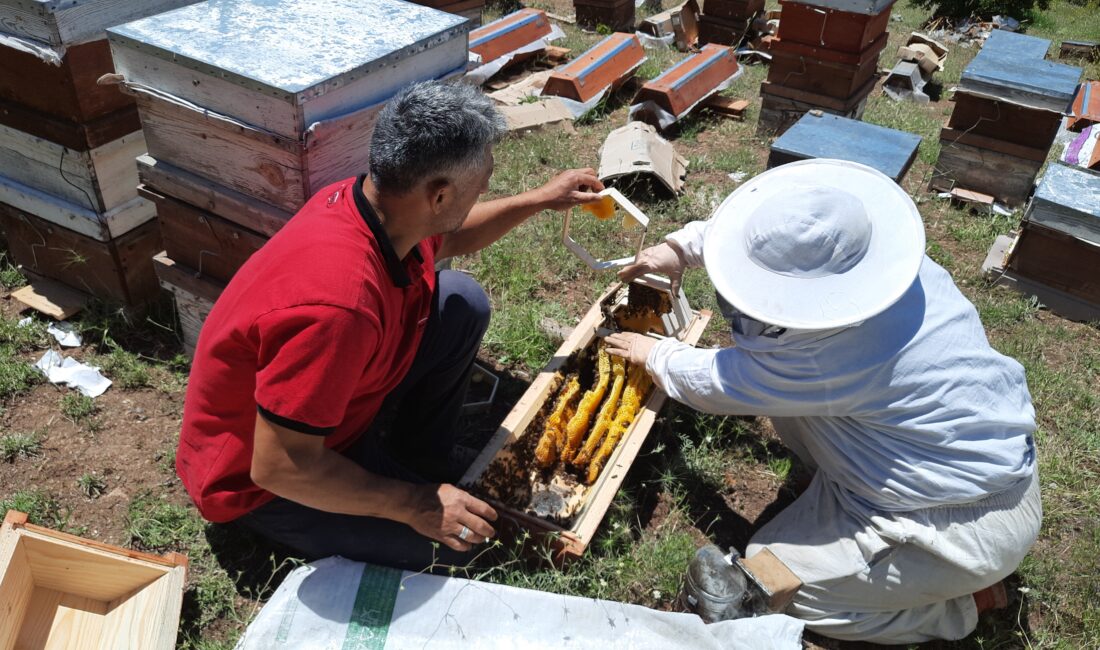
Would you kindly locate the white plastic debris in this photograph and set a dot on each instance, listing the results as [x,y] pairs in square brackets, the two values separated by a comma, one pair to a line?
[66,370]
[65,334]
[25,322]
[737,177]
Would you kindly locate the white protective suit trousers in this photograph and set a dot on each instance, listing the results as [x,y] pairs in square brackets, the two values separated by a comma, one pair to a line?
[897,577]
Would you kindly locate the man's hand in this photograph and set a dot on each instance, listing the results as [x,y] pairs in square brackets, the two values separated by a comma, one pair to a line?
[664,258]
[570,188]
[442,511]
[633,347]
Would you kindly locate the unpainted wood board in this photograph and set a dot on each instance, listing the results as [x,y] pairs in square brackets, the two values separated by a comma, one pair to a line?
[340,148]
[48,167]
[203,241]
[244,159]
[1008,178]
[192,311]
[16,586]
[57,620]
[100,226]
[84,570]
[212,197]
[80,136]
[262,111]
[69,91]
[24,22]
[146,618]
[116,175]
[51,298]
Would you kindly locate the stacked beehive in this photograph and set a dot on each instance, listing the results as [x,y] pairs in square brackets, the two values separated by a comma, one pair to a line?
[616,15]
[1008,108]
[825,56]
[727,22]
[250,108]
[1056,256]
[69,207]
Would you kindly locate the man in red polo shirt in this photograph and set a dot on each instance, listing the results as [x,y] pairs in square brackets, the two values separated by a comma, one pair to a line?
[342,316]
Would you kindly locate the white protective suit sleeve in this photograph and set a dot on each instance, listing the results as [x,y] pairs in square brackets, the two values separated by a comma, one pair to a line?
[690,240]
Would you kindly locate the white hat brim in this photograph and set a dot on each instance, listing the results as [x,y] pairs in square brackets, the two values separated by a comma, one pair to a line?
[888,268]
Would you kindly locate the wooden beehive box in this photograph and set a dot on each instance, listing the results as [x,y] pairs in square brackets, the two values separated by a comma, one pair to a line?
[821,135]
[1068,201]
[1011,70]
[821,70]
[732,9]
[1058,260]
[503,471]
[61,591]
[689,82]
[606,65]
[57,49]
[195,296]
[1004,120]
[840,25]
[270,99]
[508,34]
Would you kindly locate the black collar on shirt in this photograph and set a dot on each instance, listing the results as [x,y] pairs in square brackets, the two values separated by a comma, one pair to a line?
[398,273]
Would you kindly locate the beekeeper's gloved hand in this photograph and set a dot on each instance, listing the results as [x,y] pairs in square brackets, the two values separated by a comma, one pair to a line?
[665,258]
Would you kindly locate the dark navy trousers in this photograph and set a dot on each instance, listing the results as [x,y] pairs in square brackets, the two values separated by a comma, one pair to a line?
[412,441]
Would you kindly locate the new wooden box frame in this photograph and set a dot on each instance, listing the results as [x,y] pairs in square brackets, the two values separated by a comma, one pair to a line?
[58,590]
[570,542]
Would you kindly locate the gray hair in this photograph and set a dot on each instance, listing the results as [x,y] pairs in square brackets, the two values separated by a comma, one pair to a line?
[431,129]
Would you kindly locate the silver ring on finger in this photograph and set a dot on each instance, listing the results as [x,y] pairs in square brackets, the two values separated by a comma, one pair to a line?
[464,533]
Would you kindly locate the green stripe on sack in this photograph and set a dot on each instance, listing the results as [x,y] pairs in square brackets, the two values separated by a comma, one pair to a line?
[370,617]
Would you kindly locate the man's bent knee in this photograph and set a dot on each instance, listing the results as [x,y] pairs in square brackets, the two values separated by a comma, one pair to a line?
[463,302]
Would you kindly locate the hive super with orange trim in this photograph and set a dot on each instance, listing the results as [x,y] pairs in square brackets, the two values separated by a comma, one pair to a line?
[610,63]
[690,81]
[509,33]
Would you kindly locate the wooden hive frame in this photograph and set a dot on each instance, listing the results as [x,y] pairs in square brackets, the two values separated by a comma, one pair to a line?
[692,80]
[58,590]
[608,64]
[570,541]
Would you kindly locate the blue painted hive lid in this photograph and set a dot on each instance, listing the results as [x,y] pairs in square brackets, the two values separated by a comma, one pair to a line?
[830,136]
[1021,46]
[1068,200]
[1009,69]
[291,48]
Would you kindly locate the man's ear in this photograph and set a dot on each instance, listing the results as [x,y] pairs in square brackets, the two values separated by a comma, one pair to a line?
[439,192]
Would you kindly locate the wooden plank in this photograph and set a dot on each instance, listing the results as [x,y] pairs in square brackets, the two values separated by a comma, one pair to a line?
[249,161]
[116,176]
[118,270]
[1008,178]
[100,226]
[950,136]
[211,245]
[51,298]
[148,618]
[727,106]
[16,585]
[81,570]
[210,196]
[80,136]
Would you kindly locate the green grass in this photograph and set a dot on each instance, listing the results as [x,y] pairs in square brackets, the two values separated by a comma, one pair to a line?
[78,407]
[10,277]
[14,446]
[40,507]
[91,486]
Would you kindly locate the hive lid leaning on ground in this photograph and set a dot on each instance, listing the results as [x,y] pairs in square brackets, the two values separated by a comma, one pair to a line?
[270,47]
[1009,70]
[1068,200]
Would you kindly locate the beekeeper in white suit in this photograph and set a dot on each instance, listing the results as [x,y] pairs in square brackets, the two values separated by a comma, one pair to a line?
[876,372]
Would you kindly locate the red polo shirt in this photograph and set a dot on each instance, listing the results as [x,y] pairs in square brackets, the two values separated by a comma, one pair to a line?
[312,332]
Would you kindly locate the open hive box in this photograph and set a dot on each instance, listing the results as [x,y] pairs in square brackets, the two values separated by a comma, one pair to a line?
[61,591]
[560,499]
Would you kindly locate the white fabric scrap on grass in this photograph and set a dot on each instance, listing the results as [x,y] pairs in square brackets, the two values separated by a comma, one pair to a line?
[65,334]
[66,370]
